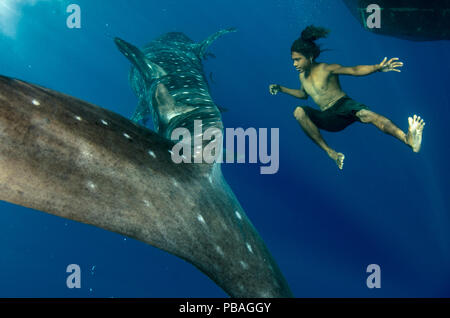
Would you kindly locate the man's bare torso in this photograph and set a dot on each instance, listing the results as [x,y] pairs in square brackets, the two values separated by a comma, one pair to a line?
[323,87]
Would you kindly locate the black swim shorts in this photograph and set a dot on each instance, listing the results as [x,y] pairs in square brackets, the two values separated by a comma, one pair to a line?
[338,116]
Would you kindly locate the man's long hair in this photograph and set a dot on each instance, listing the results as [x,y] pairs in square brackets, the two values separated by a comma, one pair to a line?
[305,43]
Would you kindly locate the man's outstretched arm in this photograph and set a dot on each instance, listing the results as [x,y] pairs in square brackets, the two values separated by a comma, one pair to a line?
[299,93]
[363,70]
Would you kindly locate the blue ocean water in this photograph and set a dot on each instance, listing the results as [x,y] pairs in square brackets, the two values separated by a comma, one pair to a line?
[389,206]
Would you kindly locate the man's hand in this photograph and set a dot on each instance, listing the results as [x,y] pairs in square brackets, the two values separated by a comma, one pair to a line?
[274,89]
[390,65]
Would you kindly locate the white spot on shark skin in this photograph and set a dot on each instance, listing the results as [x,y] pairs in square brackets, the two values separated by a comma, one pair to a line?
[264,294]
[243,264]
[78,118]
[238,215]
[276,283]
[147,204]
[219,250]
[126,136]
[35,102]
[197,154]
[151,153]
[249,247]
[176,184]
[201,219]
[91,185]
[86,154]
[104,122]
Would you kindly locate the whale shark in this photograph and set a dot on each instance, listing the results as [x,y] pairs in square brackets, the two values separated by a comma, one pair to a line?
[168,78]
[76,160]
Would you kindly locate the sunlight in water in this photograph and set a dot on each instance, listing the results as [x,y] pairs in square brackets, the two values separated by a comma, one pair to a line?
[10,14]
[9,17]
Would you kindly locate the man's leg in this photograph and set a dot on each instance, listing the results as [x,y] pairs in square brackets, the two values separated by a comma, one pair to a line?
[313,132]
[414,136]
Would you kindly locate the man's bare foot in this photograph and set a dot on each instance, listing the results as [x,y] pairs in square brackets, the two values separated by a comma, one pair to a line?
[338,158]
[415,129]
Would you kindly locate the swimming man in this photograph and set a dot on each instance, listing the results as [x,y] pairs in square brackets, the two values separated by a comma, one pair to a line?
[337,110]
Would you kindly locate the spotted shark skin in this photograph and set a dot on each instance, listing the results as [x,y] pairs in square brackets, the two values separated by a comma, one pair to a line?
[72,159]
[167,76]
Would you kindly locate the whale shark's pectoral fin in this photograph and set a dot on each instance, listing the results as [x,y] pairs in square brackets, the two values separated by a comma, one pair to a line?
[166,109]
[148,69]
[168,115]
[142,112]
[203,46]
